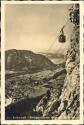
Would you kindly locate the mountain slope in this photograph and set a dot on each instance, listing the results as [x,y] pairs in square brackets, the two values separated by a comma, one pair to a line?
[18,60]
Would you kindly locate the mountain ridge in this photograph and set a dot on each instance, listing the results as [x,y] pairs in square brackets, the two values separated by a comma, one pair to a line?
[26,60]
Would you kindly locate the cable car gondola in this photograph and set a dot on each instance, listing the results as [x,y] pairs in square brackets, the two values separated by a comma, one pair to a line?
[62,37]
[74,18]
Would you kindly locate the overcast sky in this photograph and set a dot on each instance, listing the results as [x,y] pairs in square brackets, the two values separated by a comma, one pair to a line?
[35,27]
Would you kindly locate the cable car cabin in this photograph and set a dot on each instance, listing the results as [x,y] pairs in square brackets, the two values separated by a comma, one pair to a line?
[62,37]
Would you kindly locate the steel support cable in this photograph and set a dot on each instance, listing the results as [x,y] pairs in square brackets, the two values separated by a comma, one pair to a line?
[59,32]
[57,36]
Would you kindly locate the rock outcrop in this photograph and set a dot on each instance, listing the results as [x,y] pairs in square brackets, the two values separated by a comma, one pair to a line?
[66,105]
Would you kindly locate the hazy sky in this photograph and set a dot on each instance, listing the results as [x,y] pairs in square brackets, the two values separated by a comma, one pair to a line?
[35,27]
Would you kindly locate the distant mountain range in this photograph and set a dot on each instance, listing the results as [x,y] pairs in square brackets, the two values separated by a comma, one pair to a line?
[53,55]
[22,60]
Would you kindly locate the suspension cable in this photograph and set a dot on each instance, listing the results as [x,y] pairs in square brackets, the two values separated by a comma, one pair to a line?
[57,36]
[59,32]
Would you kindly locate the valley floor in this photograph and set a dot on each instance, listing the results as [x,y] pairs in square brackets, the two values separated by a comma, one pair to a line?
[29,89]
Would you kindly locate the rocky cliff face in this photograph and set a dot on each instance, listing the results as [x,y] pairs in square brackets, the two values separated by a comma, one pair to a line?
[67,104]
[70,101]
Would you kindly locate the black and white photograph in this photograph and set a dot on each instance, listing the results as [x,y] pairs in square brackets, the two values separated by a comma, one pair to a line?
[42,65]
